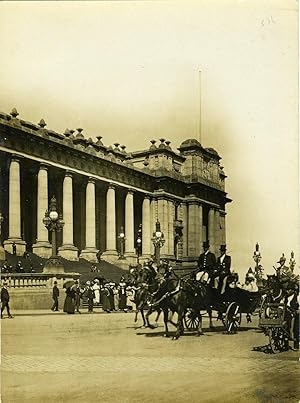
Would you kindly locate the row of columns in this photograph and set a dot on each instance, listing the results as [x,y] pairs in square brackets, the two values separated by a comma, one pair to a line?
[161,208]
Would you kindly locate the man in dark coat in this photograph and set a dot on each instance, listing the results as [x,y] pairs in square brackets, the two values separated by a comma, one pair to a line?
[55,295]
[5,300]
[206,263]
[223,268]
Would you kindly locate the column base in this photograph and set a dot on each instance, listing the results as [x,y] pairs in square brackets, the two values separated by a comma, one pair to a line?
[111,256]
[20,246]
[42,249]
[69,252]
[89,254]
[2,253]
[131,257]
[53,266]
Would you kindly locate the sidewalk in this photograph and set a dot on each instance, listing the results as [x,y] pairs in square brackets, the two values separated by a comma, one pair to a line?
[42,312]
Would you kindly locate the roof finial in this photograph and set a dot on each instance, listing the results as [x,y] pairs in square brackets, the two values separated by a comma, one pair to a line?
[14,113]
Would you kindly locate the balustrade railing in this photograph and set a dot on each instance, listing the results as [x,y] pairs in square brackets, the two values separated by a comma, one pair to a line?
[20,280]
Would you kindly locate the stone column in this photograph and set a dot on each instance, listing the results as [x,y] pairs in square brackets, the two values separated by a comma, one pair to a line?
[111,250]
[153,218]
[223,227]
[129,225]
[68,250]
[90,251]
[217,232]
[146,228]
[14,210]
[42,246]
[194,229]
[184,218]
[162,212]
[211,229]
[171,207]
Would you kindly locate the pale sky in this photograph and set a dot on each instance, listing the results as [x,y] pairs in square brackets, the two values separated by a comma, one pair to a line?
[129,71]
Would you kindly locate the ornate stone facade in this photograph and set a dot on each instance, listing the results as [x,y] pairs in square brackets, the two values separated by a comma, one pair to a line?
[100,189]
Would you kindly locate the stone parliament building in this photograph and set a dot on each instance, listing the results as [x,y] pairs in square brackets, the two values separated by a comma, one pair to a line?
[101,189]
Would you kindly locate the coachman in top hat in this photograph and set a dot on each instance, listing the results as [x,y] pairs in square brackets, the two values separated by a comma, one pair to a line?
[206,263]
[223,267]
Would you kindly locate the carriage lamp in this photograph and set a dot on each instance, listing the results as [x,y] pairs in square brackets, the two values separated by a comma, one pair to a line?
[292,261]
[122,238]
[54,222]
[158,242]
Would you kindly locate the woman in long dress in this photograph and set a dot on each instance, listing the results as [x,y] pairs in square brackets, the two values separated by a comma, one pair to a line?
[122,295]
[96,288]
[105,299]
[69,304]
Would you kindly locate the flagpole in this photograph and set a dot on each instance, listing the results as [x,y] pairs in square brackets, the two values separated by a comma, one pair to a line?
[200,107]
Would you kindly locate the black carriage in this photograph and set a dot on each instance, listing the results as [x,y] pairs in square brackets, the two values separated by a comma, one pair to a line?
[230,307]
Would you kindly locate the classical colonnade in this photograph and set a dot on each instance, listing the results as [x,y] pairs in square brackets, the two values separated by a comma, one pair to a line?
[166,208]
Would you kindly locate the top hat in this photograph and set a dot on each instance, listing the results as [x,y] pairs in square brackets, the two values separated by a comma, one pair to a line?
[206,244]
[223,248]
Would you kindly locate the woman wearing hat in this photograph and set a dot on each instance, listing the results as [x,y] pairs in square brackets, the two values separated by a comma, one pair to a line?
[250,283]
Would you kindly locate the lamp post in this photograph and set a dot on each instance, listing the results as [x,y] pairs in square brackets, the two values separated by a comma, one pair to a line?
[54,222]
[292,262]
[122,238]
[257,259]
[158,240]
[139,243]
[1,222]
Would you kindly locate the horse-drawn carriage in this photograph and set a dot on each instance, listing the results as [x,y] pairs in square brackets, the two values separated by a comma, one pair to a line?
[230,307]
[184,295]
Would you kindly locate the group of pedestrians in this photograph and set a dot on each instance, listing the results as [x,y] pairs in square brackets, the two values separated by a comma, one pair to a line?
[110,295]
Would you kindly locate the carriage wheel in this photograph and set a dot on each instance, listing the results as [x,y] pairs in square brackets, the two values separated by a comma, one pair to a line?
[278,340]
[191,320]
[233,317]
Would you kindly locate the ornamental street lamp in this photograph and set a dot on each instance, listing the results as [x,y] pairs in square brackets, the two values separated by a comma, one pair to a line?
[122,239]
[139,243]
[158,240]
[54,222]
[292,262]
[257,258]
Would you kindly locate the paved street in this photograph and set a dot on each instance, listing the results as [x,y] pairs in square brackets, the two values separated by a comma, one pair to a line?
[49,357]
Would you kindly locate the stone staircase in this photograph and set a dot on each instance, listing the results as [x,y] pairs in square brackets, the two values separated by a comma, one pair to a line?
[107,270]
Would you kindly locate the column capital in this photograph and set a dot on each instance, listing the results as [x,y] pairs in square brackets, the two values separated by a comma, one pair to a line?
[15,157]
[111,186]
[147,196]
[130,191]
[92,180]
[69,174]
[44,166]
